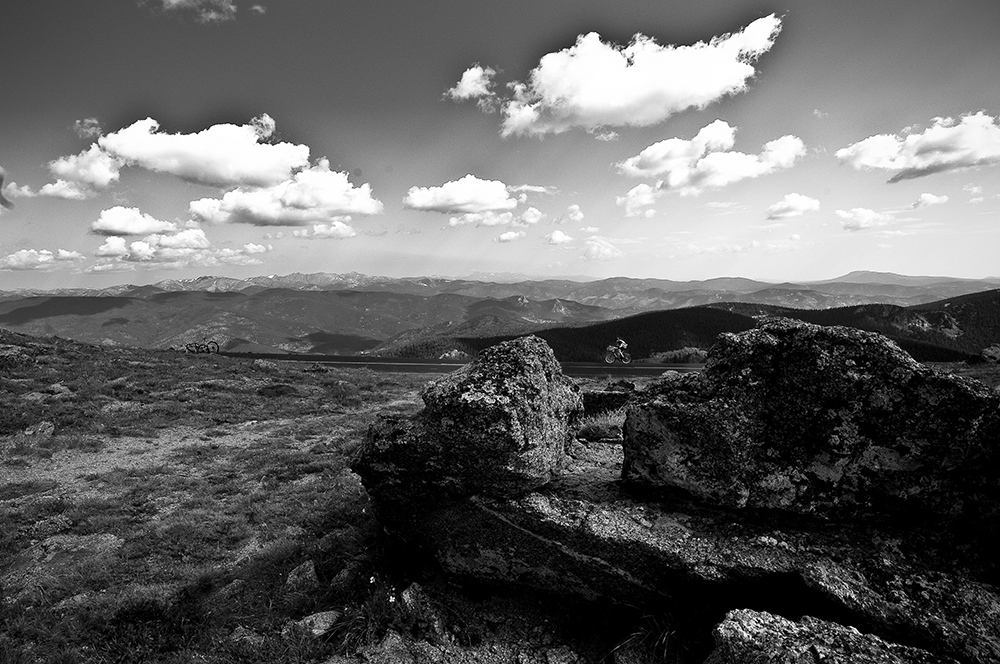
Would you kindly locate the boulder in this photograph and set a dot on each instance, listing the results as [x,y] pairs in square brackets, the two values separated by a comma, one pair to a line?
[826,421]
[752,637]
[498,426]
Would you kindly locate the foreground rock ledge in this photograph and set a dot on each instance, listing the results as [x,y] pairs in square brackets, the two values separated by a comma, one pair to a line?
[493,503]
[751,637]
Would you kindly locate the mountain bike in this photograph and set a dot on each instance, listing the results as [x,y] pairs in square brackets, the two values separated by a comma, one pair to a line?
[616,353]
[202,347]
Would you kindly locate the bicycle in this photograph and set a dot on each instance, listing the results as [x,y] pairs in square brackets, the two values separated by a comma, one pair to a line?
[202,347]
[617,353]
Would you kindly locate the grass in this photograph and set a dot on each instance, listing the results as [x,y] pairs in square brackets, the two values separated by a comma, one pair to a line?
[199,537]
[602,426]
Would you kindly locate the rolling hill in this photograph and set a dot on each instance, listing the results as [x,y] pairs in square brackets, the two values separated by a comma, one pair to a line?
[426,316]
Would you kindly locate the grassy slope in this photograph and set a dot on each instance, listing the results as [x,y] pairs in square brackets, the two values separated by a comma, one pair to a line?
[203,477]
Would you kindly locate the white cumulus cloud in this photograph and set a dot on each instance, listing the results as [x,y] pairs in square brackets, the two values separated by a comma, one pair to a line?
[223,155]
[510,236]
[530,217]
[558,237]
[467,194]
[186,248]
[926,199]
[121,220]
[312,195]
[792,205]
[35,259]
[638,199]
[574,213]
[707,160]
[595,84]
[858,219]
[599,249]
[947,145]
[475,83]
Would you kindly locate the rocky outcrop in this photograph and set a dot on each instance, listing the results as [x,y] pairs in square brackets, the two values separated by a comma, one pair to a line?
[541,513]
[496,427]
[817,420]
[751,637]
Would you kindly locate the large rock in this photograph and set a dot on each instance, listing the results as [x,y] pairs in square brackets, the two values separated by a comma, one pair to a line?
[751,637]
[497,426]
[828,421]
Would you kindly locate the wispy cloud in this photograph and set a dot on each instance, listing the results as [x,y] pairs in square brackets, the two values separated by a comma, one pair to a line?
[859,219]
[945,146]
[595,84]
[708,161]
[337,229]
[205,11]
[792,205]
[88,128]
[599,249]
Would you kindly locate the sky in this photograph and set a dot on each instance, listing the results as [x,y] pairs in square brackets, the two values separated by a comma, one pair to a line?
[794,140]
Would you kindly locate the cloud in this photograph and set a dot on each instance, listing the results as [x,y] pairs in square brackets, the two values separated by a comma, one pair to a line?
[598,249]
[186,248]
[792,205]
[91,169]
[33,259]
[574,214]
[821,115]
[529,217]
[945,146]
[129,221]
[707,161]
[223,155]
[205,11]
[488,218]
[558,237]
[88,128]
[510,236]
[929,199]
[594,84]
[858,219]
[467,194]
[638,198]
[589,229]
[312,195]
[337,229]
[475,84]
[973,189]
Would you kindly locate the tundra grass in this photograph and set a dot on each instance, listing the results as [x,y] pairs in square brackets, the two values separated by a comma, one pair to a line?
[184,556]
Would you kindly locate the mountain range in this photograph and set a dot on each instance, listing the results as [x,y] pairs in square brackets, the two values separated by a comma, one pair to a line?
[425,316]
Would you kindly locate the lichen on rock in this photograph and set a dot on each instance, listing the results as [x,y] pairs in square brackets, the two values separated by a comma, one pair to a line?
[826,421]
